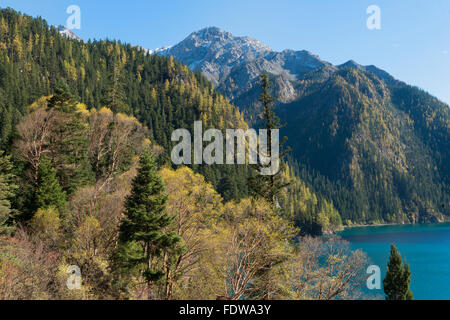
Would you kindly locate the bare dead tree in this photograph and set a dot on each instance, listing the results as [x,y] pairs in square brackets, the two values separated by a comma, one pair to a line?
[327,270]
[34,131]
[112,137]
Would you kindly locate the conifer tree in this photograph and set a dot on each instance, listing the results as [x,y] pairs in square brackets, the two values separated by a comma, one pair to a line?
[49,192]
[143,239]
[63,98]
[114,97]
[398,278]
[268,187]
[7,188]
[228,189]
[69,141]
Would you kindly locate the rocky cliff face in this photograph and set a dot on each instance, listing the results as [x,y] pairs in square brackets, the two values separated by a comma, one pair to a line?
[233,64]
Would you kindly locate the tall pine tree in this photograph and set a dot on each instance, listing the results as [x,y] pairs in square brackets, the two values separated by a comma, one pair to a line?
[49,192]
[114,96]
[398,278]
[143,239]
[268,187]
[7,189]
[70,140]
[62,99]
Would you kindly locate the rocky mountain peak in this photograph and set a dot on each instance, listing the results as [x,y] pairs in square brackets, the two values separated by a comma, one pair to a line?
[210,34]
[351,64]
[66,32]
[233,64]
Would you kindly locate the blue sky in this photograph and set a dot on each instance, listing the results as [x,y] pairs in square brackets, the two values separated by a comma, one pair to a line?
[413,43]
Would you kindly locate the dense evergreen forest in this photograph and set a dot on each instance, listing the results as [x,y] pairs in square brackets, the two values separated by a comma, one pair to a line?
[375,147]
[161,93]
[86,178]
[85,182]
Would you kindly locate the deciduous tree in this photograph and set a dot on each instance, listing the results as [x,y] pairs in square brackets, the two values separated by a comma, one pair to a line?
[327,270]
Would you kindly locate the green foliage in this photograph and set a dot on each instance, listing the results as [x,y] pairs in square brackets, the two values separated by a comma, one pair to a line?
[70,142]
[228,189]
[143,237]
[7,190]
[268,187]
[46,223]
[70,158]
[312,212]
[84,203]
[49,192]
[114,97]
[377,149]
[398,278]
[36,61]
[62,99]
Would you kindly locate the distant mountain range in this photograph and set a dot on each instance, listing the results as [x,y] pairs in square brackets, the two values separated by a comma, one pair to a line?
[375,146]
[233,64]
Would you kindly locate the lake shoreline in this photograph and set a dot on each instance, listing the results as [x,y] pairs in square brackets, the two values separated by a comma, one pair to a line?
[390,224]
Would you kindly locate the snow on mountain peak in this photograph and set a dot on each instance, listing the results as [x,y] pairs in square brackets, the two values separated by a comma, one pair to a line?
[158,50]
[66,32]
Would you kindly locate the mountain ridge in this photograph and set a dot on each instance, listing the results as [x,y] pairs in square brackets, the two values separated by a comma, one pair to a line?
[66,32]
[233,63]
[373,145]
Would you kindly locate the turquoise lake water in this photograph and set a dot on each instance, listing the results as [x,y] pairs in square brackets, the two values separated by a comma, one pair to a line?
[425,247]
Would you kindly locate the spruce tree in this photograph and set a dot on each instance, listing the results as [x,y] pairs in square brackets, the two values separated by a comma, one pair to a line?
[398,278]
[70,140]
[62,98]
[268,187]
[407,275]
[227,188]
[49,192]
[143,238]
[114,97]
[7,189]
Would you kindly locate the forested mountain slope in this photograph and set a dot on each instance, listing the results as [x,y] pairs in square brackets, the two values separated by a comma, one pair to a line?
[375,146]
[163,94]
[383,146]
